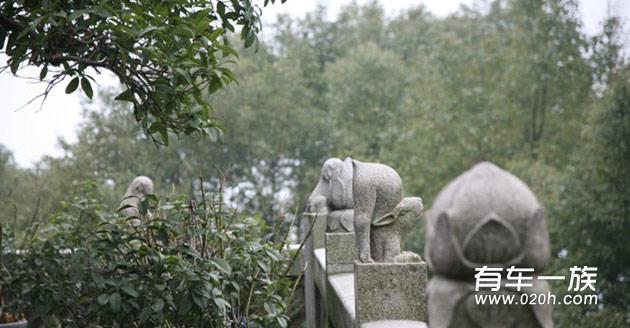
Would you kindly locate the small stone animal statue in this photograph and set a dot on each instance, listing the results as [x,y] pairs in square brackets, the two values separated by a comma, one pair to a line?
[139,188]
[388,233]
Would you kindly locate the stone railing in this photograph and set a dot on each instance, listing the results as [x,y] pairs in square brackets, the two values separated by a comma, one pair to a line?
[342,292]
[486,218]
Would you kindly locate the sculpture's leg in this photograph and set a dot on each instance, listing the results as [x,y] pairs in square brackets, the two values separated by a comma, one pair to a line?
[391,247]
[362,221]
[376,245]
[385,243]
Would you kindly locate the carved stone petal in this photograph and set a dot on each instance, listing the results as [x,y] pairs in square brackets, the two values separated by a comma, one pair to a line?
[441,252]
[492,241]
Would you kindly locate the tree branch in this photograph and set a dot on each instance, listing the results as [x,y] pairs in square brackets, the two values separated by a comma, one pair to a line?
[80,60]
[10,24]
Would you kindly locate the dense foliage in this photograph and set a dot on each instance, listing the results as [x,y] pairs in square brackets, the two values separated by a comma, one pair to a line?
[596,207]
[168,55]
[186,264]
[514,82]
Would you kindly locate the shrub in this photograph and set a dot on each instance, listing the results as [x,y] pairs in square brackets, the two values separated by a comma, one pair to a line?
[182,264]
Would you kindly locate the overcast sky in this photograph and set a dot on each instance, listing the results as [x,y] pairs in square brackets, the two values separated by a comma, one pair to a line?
[31,133]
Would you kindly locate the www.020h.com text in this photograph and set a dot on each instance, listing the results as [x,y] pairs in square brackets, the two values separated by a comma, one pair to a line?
[535,299]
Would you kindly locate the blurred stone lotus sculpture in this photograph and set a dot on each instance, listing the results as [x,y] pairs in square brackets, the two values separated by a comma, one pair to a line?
[486,216]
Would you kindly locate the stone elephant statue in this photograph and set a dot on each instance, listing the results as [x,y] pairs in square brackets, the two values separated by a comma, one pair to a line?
[365,198]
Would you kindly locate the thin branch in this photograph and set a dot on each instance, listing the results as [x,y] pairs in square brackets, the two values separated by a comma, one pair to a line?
[80,60]
[10,24]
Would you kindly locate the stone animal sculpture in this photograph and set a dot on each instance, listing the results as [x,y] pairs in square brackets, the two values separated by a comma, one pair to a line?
[139,188]
[388,233]
[366,198]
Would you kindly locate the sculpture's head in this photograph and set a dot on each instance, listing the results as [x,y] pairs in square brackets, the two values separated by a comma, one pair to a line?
[407,212]
[335,185]
[140,187]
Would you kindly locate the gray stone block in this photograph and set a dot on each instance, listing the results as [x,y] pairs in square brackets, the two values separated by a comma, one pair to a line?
[390,291]
[341,252]
[395,324]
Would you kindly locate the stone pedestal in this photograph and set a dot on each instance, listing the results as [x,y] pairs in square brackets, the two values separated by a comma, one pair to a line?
[341,252]
[390,292]
[453,304]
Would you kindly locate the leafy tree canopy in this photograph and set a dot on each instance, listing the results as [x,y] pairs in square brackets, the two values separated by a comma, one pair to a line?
[167,54]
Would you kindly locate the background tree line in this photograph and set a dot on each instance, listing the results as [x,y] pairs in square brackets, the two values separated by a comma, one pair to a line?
[516,83]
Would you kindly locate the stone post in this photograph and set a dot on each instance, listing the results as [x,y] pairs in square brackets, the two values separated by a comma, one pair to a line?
[341,252]
[387,292]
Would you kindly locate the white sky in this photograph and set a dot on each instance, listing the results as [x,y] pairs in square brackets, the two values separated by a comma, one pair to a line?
[31,133]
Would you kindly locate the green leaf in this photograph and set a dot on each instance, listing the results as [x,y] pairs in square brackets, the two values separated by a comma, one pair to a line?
[103,12]
[73,85]
[126,95]
[164,136]
[102,299]
[43,73]
[3,36]
[145,314]
[114,302]
[227,50]
[158,305]
[282,321]
[251,37]
[222,264]
[199,300]
[146,31]
[15,64]
[130,291]
[221,8]
[78,13]
[186,305]
[156,127]
[221,303]
[214,85]
[87,87]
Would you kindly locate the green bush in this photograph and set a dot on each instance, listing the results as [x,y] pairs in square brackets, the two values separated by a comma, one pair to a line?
[182,264]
